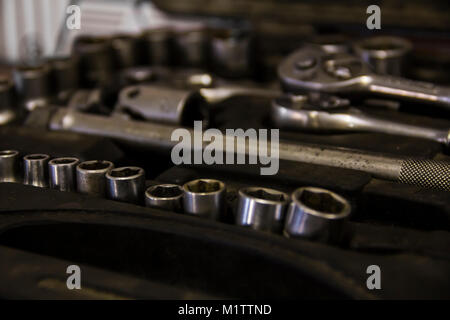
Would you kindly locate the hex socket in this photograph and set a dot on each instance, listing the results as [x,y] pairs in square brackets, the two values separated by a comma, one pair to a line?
[165,196]
[63,76]
[316,214]
[191,47]
[7,110]
[262,209]
[91,177]
[9,166]
[126,184]
[156,46]
[62,173]
[36,170]
[205,198]
[32,84]
[386,55]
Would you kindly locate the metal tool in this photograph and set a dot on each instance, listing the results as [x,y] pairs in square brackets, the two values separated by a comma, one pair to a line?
[124,48]
[316,214]
[334,114]
[231,52]
[7,112]
[313,69]
[91,177]
[10,166]
[165,196]
[420,172]
[63,77]
[137,75]
[190,47]
[156,46]
[36,170]
[32,84]
[126,184]
[261,209]
[177,106]
[205,198]
[385,54]
[95,60]
[62,174]
[331,43]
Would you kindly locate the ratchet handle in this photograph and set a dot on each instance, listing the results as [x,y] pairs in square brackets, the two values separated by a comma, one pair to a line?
[429,174]
[412,90]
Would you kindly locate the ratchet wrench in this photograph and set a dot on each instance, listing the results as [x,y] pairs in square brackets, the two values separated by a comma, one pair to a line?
[325,113]
[313,69]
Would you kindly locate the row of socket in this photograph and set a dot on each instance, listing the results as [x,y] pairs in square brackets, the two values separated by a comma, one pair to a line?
[308,212]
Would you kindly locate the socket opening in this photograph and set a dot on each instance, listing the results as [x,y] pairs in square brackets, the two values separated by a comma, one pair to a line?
[63,161]
[165,191]
[321,201]
[125,172]
[94,165]
[266,194]
[36,157]
[8,153]
[204,186]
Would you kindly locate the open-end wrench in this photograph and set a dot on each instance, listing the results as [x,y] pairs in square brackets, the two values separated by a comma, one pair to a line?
[333,114]
[313,69]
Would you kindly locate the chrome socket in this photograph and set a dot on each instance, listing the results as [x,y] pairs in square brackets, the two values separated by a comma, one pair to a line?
[165,196]
[316,214]
[385,54]
[62,173]
[205,198]
[91,177]
[32,83]
[9,166]
[126,184]
[262,209]
[36,170]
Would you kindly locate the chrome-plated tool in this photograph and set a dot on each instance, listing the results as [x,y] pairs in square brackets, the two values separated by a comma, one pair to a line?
[10,166]
[261,209]
[316,214]
[313,69]
[62,174]
[205,198]
[124,49]
[165,196]
[178,106]
[32,84]
[420,172]
[191,47]
[126,184]
[91,177]
[157,46]
[386,54]
[63,77]
[7,111]
[333,114]
[36,170]
[331,43]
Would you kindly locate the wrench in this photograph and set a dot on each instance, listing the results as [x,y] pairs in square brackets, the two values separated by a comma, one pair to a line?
[333,114]
[313,69]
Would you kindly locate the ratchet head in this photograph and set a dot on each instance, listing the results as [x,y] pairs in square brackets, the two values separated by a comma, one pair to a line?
[313,69]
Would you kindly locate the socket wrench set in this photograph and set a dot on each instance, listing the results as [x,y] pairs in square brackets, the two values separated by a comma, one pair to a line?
[361,179]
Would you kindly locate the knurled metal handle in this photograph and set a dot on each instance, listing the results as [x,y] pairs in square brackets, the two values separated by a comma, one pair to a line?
[426,174]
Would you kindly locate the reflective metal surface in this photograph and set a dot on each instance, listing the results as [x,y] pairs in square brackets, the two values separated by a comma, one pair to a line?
[62,173]
[165,196]
[126,184]
[91,177]
[36,170]
[205,198]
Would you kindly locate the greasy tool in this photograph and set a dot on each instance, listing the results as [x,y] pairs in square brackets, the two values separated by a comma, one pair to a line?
[385,54]
[205,198]
[62,173]
[313,69]
[91,177]
[334,114]
[126,184]
[32,84]
[36,170]
[421,172]
[7,112]
[177,106]
[261,209]
[316,214]
[165,196]
[10,166]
